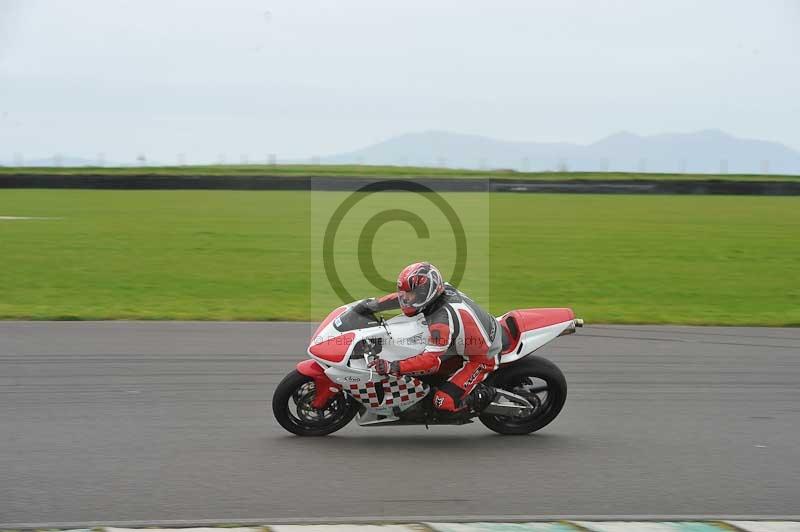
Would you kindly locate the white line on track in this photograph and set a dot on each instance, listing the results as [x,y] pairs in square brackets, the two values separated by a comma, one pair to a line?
[30,218]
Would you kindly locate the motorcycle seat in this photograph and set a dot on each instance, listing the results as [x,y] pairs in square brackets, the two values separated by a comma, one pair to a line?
[510,331]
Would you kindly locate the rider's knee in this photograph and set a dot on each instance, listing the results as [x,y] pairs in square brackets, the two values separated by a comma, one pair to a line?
[442,401]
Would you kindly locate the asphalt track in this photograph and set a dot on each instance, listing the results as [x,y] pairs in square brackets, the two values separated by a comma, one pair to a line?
[137,421]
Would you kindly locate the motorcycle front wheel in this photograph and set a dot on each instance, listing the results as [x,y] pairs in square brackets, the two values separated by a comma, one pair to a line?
[291,404]
[538,380]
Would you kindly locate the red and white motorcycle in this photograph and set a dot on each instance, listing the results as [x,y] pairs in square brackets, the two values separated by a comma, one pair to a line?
[323,394]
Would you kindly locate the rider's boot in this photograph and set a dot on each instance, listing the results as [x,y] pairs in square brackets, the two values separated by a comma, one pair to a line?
[480,397]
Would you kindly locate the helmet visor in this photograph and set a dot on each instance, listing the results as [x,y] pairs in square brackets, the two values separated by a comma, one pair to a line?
[416,297]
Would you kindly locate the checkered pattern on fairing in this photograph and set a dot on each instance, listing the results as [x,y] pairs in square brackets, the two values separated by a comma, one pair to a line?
[401,390]
[366,393]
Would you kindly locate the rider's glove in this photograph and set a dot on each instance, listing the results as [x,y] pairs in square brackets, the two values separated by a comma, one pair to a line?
[384,367]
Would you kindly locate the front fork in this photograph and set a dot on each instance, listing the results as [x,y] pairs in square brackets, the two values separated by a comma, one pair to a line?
[325,388]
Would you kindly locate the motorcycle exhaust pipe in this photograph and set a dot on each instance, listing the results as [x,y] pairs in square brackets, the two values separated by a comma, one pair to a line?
[577,322]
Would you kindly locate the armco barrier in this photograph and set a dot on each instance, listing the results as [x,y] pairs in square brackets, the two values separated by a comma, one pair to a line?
[271,182]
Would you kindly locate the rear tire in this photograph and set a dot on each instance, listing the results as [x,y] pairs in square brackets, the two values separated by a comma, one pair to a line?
[296,391]
[514,378]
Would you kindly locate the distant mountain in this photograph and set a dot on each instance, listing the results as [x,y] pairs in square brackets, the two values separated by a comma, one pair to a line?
[708,151]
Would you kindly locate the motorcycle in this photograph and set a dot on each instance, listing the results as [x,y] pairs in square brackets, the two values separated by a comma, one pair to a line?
[325,393]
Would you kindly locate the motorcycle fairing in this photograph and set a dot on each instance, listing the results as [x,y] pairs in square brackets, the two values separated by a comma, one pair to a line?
[366,394]
[334,344]
[399,393]
[403,391]
[530,341]
[535,327]
[334,347]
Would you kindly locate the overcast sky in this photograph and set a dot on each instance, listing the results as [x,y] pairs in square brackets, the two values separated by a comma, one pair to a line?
[303,78]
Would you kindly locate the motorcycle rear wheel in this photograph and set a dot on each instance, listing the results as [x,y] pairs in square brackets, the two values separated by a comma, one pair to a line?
[524,378]
[291,405]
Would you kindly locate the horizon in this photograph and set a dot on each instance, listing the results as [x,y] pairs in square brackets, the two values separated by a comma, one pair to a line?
[321,159]
[591,157]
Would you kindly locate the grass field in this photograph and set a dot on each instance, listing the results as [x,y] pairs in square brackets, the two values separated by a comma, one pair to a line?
[246,255]
[300,170]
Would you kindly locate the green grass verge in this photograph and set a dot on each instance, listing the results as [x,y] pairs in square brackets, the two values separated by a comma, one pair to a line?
[367,171]
[246,255]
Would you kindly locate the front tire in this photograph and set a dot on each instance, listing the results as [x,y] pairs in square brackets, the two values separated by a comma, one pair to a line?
[525,378]
[291,404]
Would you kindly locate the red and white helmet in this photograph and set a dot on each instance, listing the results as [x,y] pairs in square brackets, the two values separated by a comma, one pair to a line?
[417,285]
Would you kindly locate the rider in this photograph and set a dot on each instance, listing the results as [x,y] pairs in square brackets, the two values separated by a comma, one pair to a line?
[457,327]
